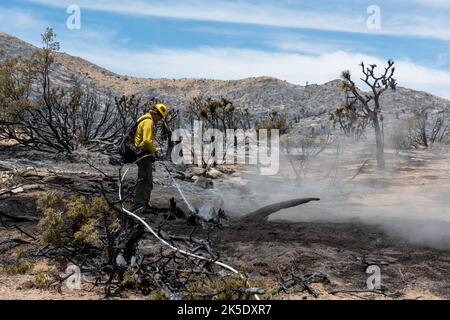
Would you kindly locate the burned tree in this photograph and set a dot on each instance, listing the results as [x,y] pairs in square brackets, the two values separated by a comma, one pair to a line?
[38,113]
[423,129]
[273,120]
[369,104]
[221,114]
[351,118]
[49,118]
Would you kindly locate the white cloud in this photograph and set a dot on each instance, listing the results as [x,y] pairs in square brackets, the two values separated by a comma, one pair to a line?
[20,23]
[419,26]
[445,4]
[224,11]
[245,12]
[308,45]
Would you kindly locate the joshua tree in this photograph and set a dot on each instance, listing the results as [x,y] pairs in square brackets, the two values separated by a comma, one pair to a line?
[273,120]
[351,118]
[369,103]
[37,112]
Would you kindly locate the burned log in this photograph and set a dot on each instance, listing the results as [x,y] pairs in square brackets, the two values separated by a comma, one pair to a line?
[17,219]
[263,213]
[260,215]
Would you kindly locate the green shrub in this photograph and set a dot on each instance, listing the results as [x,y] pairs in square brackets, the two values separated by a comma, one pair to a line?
[88,232]
[157,295]
[52,227]
[20,267]
[74,220]
[224,288]
[51,199]
[129,279]
[41,281]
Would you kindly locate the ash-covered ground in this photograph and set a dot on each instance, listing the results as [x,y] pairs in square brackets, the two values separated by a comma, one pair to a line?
[397,220]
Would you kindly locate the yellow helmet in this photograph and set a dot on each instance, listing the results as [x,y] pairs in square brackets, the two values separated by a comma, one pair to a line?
[163,110]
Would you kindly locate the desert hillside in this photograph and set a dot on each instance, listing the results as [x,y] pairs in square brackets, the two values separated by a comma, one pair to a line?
[259,94]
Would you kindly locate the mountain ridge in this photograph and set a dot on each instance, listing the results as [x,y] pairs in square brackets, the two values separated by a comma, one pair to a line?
[259,94]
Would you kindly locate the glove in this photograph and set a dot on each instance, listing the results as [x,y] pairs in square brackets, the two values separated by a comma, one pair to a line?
[140,152]
[158,154]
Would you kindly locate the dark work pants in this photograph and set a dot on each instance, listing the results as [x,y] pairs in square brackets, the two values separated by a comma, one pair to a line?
[144,184]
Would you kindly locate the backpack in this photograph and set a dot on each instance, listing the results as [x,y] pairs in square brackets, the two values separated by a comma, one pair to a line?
[127,149]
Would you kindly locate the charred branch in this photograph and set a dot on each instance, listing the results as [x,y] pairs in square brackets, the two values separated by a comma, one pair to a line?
[263,213]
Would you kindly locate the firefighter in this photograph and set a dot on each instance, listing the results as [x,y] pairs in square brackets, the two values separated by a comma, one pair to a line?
[144,141]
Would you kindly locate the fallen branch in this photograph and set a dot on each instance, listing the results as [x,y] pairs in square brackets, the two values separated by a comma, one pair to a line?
[17,219]
[359,171]
[263,213]
[12,243]
[375,291]
[305,280]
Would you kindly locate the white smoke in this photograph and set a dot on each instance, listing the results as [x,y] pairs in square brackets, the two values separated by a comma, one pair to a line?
[409,200]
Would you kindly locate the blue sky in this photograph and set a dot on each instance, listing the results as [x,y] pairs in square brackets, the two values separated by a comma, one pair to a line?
[298,41]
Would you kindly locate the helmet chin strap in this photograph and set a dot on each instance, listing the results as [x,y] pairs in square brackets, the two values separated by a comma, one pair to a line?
[166,125]
[155,113]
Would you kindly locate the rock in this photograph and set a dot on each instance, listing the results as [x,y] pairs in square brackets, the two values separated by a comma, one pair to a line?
[205,183]
[214,173]
[182,167]
[17,190]
[198,171]
[228,169]
[195,178]
[22,189]
[27,285]
[120,260]
[194,171]
[178,175]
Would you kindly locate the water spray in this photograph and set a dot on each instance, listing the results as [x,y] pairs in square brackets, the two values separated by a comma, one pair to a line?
[154,233]
[175,183]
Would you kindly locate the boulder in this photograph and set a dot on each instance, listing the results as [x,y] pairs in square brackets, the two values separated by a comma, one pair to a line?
[228,169]
[214,173]
[194,171]
[198,171]
[205,183]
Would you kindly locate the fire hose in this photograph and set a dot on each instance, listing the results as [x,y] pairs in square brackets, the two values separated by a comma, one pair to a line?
[155,234]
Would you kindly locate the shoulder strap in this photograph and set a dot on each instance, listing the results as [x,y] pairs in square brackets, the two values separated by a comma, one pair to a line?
[133,130]
[139,121]
[142,119]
